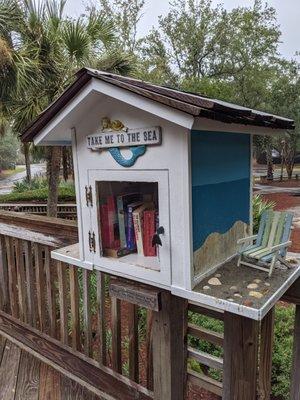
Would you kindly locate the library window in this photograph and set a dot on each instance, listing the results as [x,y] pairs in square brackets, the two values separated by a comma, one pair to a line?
[128,219]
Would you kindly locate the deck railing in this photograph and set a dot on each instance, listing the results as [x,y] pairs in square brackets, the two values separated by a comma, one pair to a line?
[66,211]
[75,320]
[66,315]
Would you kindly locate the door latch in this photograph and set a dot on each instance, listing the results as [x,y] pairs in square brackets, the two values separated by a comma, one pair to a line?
[156,240]
[89,196]
[92,242]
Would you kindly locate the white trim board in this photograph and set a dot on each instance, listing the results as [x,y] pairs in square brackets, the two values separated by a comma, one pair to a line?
[95,86]
[69,255]
[206,124]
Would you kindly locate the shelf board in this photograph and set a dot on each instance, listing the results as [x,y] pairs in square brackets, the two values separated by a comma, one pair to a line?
[141,261]
[70,255]
[233,295]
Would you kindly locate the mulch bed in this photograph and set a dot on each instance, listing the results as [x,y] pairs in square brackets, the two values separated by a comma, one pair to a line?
[283,184]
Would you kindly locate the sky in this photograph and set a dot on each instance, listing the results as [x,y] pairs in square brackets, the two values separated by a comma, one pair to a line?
[288,15]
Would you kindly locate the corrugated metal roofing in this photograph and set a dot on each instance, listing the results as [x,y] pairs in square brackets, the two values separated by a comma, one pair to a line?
[190,103]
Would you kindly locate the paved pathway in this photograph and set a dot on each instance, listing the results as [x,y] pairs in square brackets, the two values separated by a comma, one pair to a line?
[266,189]
[6,184]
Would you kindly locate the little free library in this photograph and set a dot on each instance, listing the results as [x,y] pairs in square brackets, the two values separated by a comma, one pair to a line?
[164,205]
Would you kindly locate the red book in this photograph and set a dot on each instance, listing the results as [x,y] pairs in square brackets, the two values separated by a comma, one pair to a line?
[113,226]
[149,225]
[104,225]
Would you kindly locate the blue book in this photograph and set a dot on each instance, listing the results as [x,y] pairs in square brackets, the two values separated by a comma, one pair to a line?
[122,202]
[130,235]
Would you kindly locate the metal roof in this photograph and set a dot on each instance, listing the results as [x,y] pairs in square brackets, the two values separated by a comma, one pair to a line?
[190,103]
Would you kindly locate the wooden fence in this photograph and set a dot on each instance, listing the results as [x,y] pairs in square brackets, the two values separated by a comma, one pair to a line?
[68,317]
[66,211]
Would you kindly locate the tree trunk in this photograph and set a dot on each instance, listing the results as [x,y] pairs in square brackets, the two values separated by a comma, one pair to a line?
[26,150]
[53,169]
[65,165]
[270,166]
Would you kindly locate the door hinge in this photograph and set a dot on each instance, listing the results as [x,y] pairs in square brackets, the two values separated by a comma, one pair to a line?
[92,242]
[89,196]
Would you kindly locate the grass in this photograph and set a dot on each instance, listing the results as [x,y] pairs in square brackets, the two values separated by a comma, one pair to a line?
[6,173]
[65,193]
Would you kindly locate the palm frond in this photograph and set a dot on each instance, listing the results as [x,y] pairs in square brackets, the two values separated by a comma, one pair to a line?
[76,40]
[27,111]
[10,16]
[100,28]
[54,12]
[115,62]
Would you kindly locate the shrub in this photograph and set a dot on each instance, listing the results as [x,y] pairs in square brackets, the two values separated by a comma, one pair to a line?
[65,193]
[35,183]
[9,149]
[259,206]
[282,352]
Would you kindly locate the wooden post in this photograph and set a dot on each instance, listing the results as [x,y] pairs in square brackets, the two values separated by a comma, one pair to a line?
[295,384]
[265,358]
[240,357]
[170,348]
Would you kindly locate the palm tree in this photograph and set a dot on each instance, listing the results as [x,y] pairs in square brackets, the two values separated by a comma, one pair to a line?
[41,50]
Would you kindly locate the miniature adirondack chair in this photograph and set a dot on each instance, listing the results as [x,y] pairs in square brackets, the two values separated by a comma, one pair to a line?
[270,245]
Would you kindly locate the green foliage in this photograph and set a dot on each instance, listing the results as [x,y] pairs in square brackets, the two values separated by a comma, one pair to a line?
[35,183]
[282,352]
[211,324]
[66,192]
[197,40]
[259,206]
[41,51]
[9,149]
[125,16]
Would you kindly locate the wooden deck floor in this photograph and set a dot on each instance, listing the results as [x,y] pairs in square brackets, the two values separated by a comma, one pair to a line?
[23,377]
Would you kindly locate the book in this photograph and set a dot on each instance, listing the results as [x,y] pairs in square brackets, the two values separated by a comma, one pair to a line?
[130,236]
[104,225]
[137,216]
[149,229]
[113,227]
[122,202]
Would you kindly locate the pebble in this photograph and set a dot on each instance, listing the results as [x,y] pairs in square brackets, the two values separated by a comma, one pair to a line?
[230,299]
[257,281]
[255,294]
[234,288]
[218,275]
[293,260]
[206,287]
[267,284]
[238,295]
[252,286]
[248,303]
[214,282]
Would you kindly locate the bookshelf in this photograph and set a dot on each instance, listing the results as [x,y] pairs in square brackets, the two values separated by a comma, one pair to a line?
[128,219]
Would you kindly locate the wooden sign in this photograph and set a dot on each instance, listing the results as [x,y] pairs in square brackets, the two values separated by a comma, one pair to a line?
[136,293]
[125,138]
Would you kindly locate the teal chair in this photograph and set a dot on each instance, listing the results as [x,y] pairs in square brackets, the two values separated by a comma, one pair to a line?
[270,245]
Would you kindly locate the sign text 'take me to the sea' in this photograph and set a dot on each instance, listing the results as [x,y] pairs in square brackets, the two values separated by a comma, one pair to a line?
[131,137]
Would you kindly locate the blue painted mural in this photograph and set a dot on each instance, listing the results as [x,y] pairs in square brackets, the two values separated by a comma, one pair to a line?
[220,182]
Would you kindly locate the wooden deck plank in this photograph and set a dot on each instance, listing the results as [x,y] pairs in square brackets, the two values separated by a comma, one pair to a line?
[88,373]
[28,378]
[72,390]
[50,381]
[9,371]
